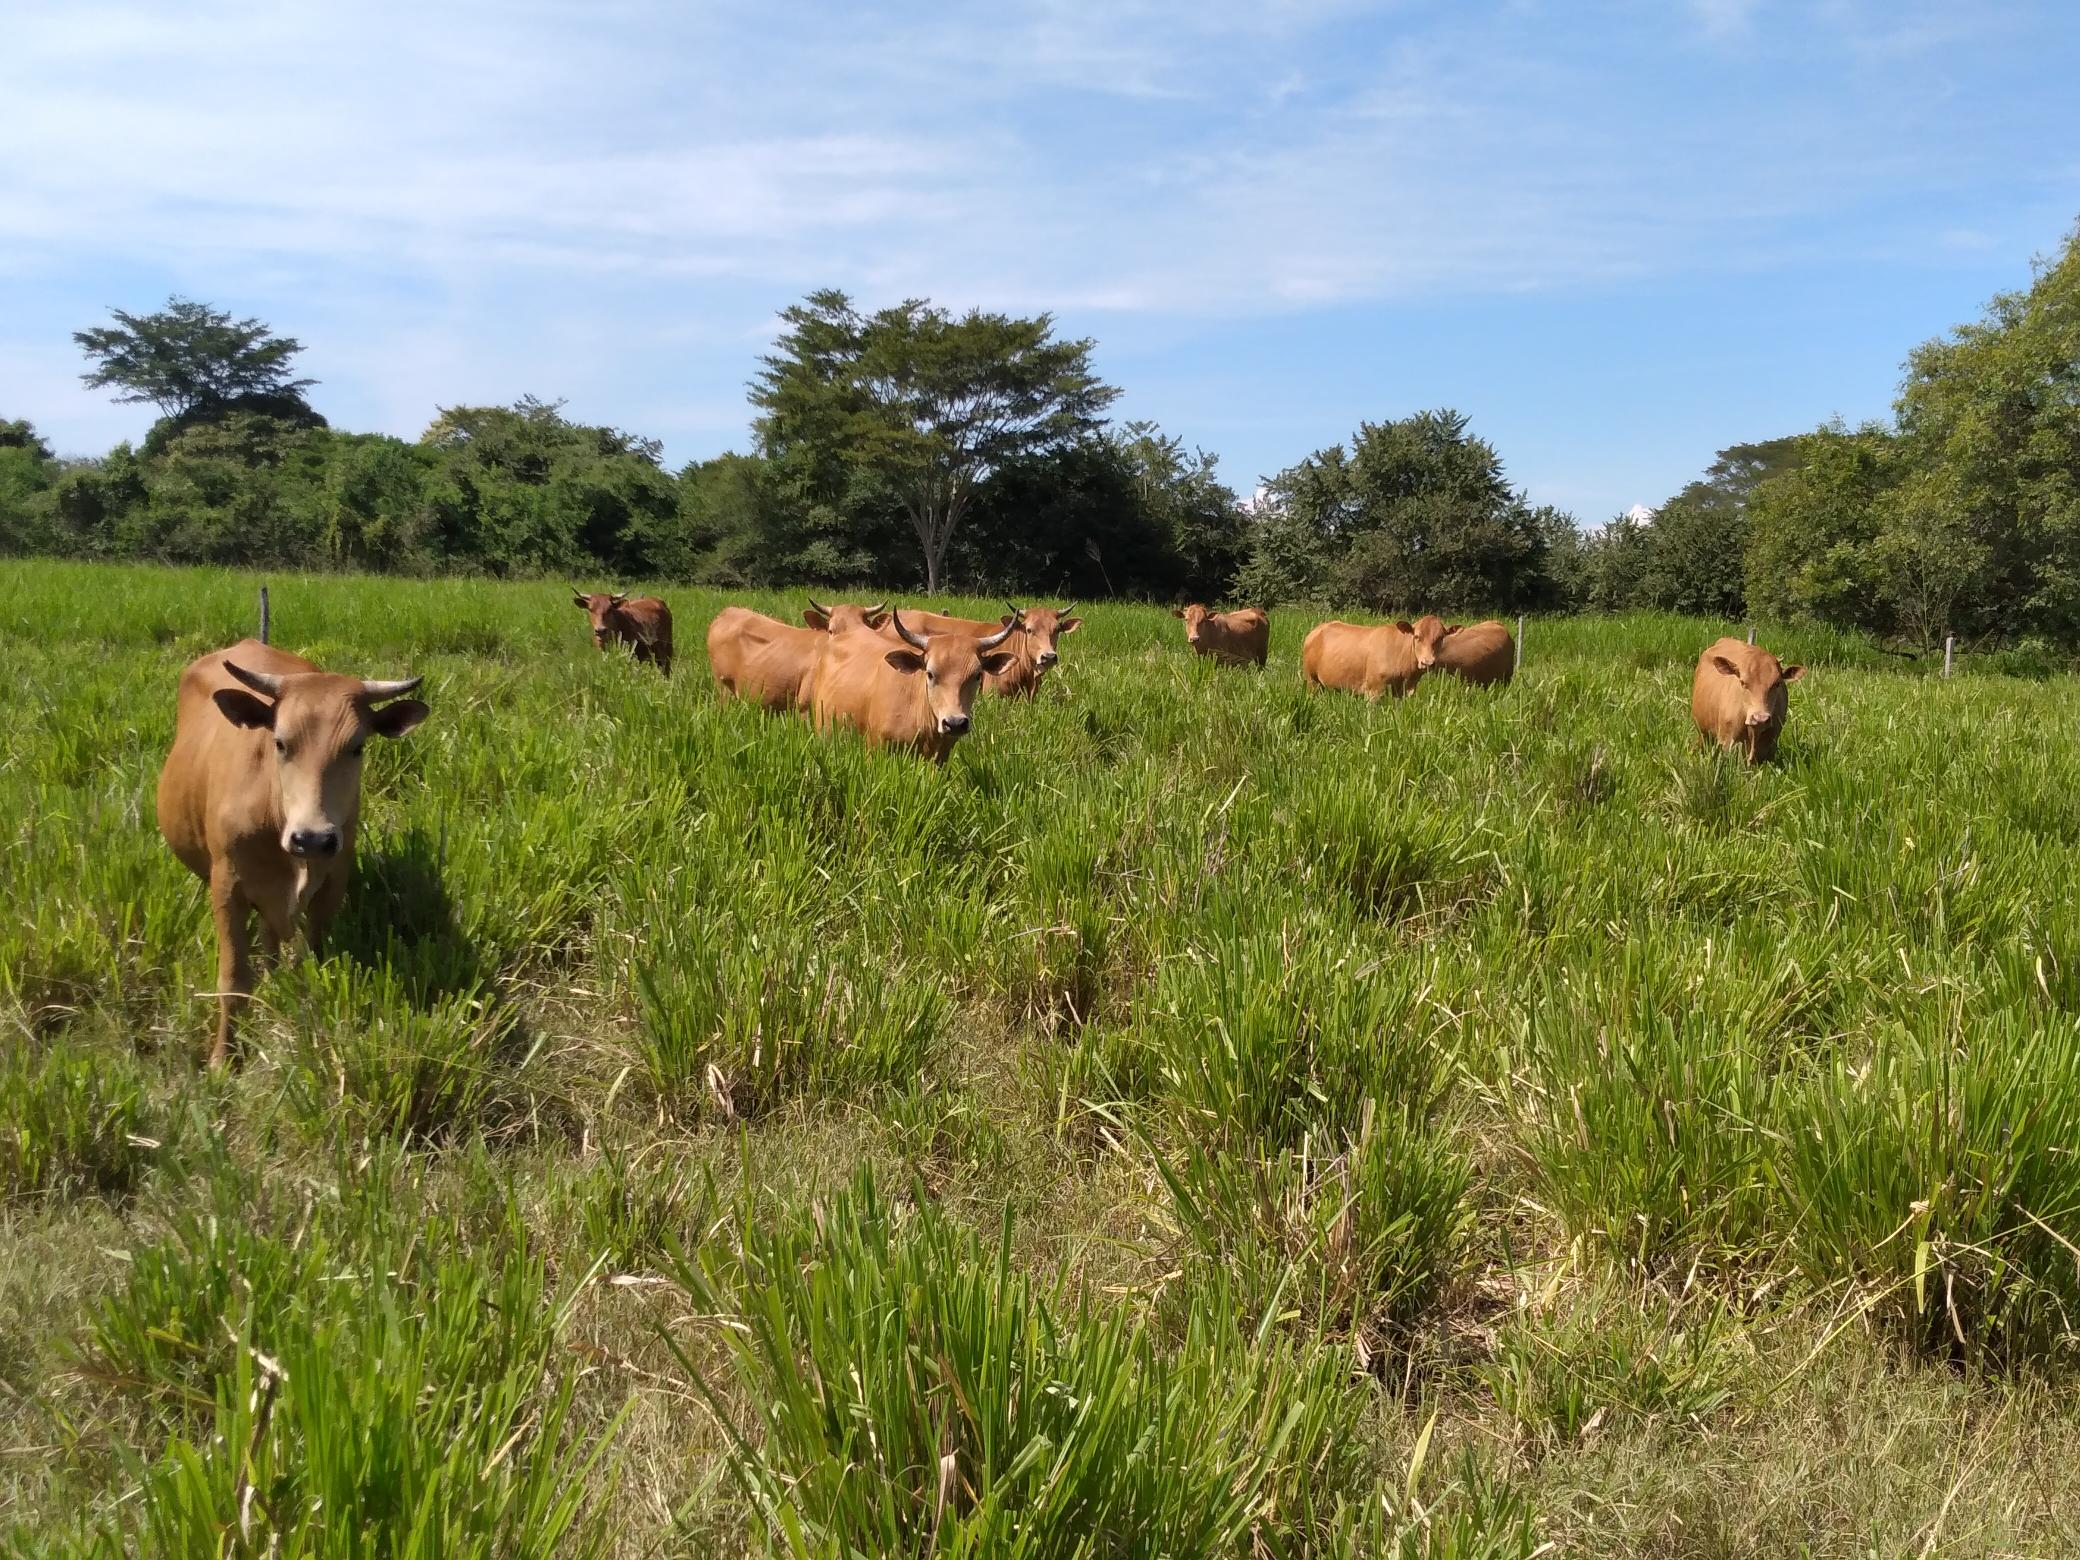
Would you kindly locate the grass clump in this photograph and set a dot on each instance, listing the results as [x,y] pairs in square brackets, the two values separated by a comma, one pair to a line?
[72,1121]
[911,1392]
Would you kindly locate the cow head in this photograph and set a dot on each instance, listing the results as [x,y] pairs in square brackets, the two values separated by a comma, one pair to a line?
[599,607]
[844,617]
[952,666]
[320,725]
[1044,628]
[1762,678]
[1430,634]
[1195,617]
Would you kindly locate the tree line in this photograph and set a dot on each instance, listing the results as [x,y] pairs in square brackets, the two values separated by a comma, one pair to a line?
[910,447]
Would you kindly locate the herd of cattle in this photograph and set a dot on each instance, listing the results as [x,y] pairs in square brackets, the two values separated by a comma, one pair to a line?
[261,793]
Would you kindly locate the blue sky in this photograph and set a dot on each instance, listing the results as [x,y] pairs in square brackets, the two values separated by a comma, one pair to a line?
[1617,234]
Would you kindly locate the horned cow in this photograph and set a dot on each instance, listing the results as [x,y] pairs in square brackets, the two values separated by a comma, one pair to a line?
[1035,643]
[261,795]
[918,694]
[1738,700]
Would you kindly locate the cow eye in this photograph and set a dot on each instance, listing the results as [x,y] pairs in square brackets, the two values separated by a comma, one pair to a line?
[281,748]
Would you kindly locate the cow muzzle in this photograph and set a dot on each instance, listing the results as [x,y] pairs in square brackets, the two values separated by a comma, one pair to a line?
[952,725]
[1046,658]
[1758,717]
[306,843]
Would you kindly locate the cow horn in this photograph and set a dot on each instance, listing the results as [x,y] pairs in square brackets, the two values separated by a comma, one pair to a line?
[877,609]
[1016,610]
[817,606]
[895,616]
[371,689]
[1018,620]
[260,682]
[1065,611]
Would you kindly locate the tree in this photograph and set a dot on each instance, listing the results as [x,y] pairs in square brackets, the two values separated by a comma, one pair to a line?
[915,406]
[187,357]
[1415,516]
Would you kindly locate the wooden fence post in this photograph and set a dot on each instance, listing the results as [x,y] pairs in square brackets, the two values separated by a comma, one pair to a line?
[263,615]
[1949,644]
[1516,664]
[1751,633]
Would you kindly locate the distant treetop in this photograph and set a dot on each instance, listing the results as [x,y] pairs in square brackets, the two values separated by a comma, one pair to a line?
[189,356]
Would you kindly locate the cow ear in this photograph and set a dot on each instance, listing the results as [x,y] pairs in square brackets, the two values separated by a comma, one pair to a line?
[619,597]
[909,662]
[816,619]
[1453,629]
[1177,612]
[997,663]
[1405,626]
[1005,621]
[1726,666]
[394,720]
[876,619]
[1793,673]
[1068,625]
[243,709]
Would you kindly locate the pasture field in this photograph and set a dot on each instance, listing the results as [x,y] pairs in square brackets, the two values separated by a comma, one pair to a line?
[1202,1119]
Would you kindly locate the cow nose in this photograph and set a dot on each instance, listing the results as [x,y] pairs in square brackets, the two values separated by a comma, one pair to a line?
[1048,658]
[1758,717]
[953,725]
[314,842]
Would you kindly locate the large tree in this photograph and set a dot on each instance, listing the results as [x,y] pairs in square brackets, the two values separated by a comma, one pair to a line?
[918,407]
[188,357]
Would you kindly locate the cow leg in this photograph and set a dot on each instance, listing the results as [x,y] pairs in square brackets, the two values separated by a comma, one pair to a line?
[325,905]
[234,959]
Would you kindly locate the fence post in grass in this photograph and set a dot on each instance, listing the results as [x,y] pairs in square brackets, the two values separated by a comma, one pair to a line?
[1516,664]
[263,615]
[1751,633]
[1949,644]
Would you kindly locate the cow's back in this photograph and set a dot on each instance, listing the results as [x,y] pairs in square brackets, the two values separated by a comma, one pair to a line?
[214,766]
[1248,633]
[1480,653]
[762,658]
[1335,655]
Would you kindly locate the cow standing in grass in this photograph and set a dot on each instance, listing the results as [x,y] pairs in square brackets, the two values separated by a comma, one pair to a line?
[1738,700]
[261,795]
[773,663]
[1478,653]
[919,693]
[642,622]
[1241,638]
[1035,643]
[1365,658]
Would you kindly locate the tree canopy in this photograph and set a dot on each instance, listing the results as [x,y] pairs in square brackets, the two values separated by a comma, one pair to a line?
[919,407]
[188,356]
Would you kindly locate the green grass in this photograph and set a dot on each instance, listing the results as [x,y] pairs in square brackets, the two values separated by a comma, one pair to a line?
[1218,1119]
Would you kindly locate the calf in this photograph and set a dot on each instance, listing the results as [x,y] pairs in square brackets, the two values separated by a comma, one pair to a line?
[1479,653]
[261,794]
[917,694]
[644,622]
[1232,638]
[1737,698]
[1371,659]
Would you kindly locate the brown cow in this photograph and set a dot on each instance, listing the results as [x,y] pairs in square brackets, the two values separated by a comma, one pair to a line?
[763,659]
[917,694]
[1737,698]
[1366,658]
[261,794]
[1479,653]
[1231,638]
[1035,647]
[644,623]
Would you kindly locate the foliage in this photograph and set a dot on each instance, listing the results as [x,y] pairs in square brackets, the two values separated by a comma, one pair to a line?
[188,355]
[917,407]
[1414,516]
[1690,555]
